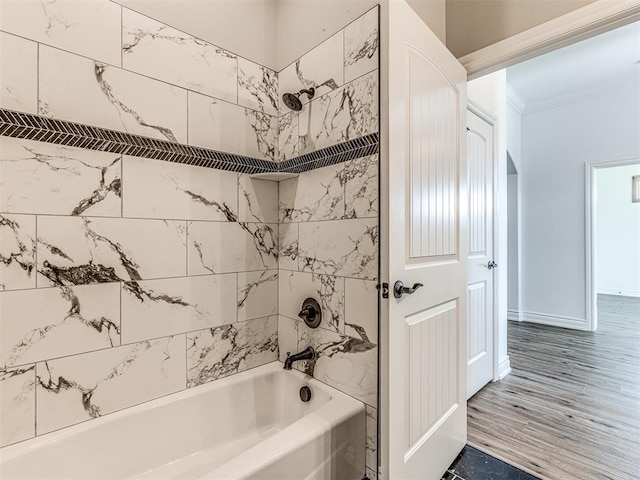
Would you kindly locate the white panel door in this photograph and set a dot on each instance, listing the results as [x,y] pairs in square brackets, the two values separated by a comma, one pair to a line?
[427,245]
[480,162]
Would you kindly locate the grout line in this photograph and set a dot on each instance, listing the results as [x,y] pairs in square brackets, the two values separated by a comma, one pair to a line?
[37,78]
[121,36]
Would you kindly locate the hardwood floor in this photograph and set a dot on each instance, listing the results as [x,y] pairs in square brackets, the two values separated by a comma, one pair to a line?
[570,410]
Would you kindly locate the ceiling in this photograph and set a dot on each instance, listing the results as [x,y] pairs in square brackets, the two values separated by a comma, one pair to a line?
[608,61]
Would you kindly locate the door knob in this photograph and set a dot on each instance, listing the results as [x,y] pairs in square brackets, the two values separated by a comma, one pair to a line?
[492,264]
[399,289]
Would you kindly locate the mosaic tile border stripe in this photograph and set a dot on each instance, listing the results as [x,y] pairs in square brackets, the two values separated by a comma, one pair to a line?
[60,132]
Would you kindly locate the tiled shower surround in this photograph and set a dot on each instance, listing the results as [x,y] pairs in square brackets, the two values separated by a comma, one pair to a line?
[125,278]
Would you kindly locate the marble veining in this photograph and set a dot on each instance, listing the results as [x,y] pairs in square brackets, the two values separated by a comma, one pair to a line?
[157,308]
[316,195]
[372,438]
[90,28]
[85,91]
[74,389]
[329,290]
[17,251]
[257,294]
[361,45]
[247,246]
[340,247]
[18,73]
[159,51]
[346,363]
[41,177]
[54,322]
[322,68]
[261,135]
[178,191]
[257,87]
[361,309]
[288,246]
[17,397]
[343,114]
[74,251]
[219,352]
[360,178]
[257,199]
[288,136]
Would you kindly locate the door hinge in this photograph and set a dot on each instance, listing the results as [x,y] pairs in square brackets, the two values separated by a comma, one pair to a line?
[384,288]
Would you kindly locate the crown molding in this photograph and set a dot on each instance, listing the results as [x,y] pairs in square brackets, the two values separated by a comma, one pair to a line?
[580,96]
[593,19]
[515,100]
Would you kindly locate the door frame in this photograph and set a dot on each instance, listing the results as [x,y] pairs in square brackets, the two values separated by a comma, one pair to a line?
[492,120]
[590,197]
[580,24]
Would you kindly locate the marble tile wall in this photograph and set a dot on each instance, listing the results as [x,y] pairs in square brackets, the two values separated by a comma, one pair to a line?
[140,278]
[101,64]
[344,72]
[329,218]
[123,279]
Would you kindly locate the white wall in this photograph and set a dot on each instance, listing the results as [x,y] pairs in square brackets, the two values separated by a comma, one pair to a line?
[474,24]
[556,144]
[617,232]
[490,93]
[245,27]
[513,299]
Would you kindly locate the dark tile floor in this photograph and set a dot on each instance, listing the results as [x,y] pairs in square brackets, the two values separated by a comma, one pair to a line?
[472,464]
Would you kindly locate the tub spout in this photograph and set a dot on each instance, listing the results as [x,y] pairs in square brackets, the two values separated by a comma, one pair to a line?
[307,354]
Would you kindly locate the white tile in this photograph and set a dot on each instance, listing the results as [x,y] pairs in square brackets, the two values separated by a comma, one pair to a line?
[340,247]
[80,90]
[89,28]
[260,136]
[45,323]
[344,114]
[372,437]
[257,294]
[288,246]
[288,136]
[361,187]
[361,309]
[345,363]
[257,87]
[157,189]
[321,68]
[222,247]
[17,404]
[73,251]
[312,196]
[287,336]
[74,389]
[295,287]
[159,51]
[215,124]
[158,308]
[219,352]
[18,73]
[361,45]
[258,200]
[219,125]
[17,251]
[37,177]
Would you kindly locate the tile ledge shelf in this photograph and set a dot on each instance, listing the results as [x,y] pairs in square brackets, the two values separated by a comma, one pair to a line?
[49,130]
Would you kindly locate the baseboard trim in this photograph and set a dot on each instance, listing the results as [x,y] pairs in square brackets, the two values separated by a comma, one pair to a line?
[504,368]
[515,315]
[622,293]
[554,320]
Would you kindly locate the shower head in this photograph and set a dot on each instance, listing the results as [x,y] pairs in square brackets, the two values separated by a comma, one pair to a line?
[292,100]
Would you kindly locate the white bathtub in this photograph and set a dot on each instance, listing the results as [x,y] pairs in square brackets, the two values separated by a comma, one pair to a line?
[249,426]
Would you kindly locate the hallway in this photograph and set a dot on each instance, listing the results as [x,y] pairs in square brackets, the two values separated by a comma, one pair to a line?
[570,410]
